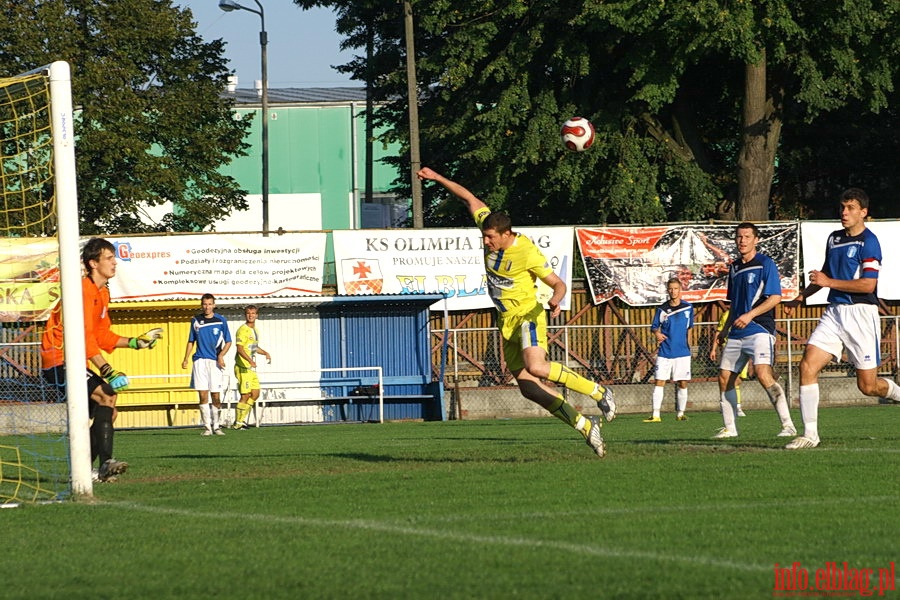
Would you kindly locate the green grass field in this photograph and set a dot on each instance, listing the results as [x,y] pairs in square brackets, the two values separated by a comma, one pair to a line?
[483,509]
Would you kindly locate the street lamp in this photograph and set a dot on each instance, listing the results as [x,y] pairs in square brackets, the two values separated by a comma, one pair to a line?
[228,6]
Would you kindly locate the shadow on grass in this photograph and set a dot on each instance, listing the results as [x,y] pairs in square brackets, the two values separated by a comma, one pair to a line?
[702,445]
[386,458]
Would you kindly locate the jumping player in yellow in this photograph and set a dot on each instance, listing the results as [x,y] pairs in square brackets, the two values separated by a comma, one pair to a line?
[513,263]
[247,342]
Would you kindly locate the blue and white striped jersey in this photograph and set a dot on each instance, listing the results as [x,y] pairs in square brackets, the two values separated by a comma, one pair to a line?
[852,257]
[674,323]
[749,284]
[211,334]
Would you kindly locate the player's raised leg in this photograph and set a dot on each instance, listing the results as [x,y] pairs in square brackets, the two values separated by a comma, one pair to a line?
[602,395]
[550,399]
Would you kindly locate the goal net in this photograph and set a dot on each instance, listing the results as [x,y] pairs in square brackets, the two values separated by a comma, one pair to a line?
[42,457]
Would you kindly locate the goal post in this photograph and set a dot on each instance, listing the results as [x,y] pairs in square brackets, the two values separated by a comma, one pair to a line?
[39,203]
[63,133]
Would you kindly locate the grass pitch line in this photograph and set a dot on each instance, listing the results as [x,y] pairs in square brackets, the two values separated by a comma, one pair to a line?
[486,540]
[878,450]
[684,508]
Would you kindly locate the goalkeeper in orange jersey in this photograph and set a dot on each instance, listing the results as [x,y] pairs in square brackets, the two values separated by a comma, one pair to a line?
[513,264]
[103,382]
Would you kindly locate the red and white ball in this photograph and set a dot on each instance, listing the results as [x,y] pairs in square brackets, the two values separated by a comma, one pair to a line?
[577,134]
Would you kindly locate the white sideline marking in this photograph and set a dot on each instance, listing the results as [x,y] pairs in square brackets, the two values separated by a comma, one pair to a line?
[878,450]
[720,506]
[497,540]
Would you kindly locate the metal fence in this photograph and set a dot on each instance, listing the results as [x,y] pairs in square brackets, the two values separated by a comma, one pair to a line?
[617,354]
[625,355]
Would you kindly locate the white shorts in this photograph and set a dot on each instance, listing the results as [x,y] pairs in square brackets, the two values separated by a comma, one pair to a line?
[760,347]
[207,376]
[673,369]
[851,327]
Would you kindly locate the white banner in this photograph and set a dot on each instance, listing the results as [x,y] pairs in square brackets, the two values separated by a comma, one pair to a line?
[441,261]
[813,236]
[227,266]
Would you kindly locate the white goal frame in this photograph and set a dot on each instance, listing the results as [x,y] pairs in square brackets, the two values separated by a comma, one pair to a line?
[63,136]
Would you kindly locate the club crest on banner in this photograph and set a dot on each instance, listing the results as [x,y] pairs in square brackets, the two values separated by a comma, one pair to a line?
[361,276]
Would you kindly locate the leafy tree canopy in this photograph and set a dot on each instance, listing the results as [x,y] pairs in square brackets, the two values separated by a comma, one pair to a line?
[152,126]
[689,97]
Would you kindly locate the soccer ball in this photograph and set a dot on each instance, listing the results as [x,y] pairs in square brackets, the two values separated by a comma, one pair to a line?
[577,134]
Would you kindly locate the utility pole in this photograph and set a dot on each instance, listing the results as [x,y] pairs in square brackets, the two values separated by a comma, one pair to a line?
[415,159]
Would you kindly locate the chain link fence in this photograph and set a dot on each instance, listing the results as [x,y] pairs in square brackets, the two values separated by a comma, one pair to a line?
[480,385]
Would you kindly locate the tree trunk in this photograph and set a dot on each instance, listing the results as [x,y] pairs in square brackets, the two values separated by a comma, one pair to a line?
[415,161]
[761,132]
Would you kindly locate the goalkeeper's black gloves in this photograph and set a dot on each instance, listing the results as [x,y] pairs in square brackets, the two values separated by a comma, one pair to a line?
[117,379]
[148,340]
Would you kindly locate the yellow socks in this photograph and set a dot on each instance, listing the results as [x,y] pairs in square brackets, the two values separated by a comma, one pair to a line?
[570,379]
[567,413]
[241,412]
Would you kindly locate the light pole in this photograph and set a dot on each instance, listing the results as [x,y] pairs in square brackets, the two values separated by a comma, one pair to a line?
[228,6]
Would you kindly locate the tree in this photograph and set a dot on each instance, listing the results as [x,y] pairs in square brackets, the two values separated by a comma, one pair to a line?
[151,125]
[799,61]
[850,146]
[690,97]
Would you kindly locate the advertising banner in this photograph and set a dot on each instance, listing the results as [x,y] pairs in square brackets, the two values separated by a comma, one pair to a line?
[227,266]
[29,278]
[634,263]
[442,261]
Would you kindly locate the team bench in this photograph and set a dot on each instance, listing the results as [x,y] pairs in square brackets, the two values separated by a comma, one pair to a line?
[359,398]
[174,397]
[344,398]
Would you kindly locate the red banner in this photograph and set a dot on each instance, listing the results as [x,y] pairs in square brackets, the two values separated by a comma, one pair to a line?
[634,263]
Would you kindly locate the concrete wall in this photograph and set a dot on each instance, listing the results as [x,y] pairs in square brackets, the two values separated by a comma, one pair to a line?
[32,418]
[507,402]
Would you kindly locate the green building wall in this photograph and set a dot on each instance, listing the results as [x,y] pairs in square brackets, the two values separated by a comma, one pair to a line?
[315,149]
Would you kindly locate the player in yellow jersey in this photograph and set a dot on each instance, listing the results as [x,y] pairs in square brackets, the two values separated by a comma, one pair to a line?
[247,342]
[513,264]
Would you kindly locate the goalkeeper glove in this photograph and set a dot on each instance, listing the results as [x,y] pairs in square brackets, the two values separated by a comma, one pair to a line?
[117,379]
[148,340]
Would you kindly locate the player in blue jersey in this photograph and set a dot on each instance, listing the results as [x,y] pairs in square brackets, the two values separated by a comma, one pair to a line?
[754,290]
[513,264]
[671,323]
[850,322]
[210,334]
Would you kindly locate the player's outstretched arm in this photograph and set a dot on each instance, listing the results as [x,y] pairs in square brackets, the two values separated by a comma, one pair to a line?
[471,200]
